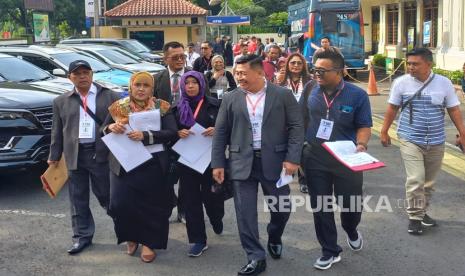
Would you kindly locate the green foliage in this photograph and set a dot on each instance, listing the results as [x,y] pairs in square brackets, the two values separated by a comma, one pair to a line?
[454,76]
[277,19]
[379,60]
[64,30]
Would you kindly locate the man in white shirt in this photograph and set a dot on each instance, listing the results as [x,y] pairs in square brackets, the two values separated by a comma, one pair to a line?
[191,55]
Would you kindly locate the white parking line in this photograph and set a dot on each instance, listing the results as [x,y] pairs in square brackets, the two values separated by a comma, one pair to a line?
[32,213]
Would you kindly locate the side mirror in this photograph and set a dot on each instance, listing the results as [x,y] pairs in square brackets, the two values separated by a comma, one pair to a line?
[59,73]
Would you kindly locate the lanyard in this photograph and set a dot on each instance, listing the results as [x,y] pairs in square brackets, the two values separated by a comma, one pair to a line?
[197,109]
[254,105]
[295,87]
[330,103]
[207,63]
[84,103]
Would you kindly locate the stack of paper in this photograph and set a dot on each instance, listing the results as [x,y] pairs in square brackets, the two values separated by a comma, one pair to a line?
[195,150]
[346,153]
[145,121]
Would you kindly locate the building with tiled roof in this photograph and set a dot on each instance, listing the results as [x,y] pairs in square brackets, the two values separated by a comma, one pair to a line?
[155,22]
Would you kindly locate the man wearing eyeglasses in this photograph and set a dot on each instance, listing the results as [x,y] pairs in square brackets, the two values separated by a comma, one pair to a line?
[339,111]
[203,64]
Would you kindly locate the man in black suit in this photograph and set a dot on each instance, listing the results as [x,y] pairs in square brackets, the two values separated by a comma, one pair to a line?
[77,116]
[262,125]
[203,64]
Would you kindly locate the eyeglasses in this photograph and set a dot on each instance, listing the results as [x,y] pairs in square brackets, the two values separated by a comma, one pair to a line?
[321,72]
[204,48]
[296,63]
[178,57]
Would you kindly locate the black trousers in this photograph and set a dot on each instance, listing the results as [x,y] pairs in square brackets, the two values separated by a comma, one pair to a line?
[196,191]
[327,177]
[245,202]
[88,174]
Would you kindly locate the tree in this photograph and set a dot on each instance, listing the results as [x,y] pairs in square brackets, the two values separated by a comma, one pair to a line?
[277,19]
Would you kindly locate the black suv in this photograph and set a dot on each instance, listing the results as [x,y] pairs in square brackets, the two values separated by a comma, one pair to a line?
[25,124]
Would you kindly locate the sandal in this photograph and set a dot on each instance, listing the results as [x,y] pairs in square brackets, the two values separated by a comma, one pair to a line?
[132,248]
[147,255]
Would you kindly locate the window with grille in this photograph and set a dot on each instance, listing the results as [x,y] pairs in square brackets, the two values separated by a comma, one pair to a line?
[431,14]
[392,22]
[410,15]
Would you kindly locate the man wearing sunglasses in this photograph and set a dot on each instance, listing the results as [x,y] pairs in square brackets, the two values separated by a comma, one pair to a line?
[339,111]
[203,64]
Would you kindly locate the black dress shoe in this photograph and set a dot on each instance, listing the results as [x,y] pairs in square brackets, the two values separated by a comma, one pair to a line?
[78,247]
[253,268]
[217,227]
[275,250]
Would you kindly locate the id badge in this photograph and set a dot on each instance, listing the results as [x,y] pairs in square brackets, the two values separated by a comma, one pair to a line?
[86,127]
[219,92]
[325,129]
[256,132]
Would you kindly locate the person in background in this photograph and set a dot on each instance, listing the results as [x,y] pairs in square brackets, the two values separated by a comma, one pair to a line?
[218,47]
[237,47]
[244,51]
[260,48]
[268,45]
[295,78]
[252,45]
[204,62]
[423,98]
[270,64]
[228,52]
[77,116]
[325,46]
[191,55]
[140,199]
[280,70]
[197,108]
[219,80]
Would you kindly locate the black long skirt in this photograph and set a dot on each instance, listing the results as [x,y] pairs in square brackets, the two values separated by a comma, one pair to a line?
[140,205]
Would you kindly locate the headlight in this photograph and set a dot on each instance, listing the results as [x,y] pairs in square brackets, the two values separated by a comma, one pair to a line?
[10,115]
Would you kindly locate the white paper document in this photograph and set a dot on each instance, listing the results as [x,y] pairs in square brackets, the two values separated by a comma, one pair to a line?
[129,153]
[145,121]
[284,179]
[200,165]
[346,152]
[195,145]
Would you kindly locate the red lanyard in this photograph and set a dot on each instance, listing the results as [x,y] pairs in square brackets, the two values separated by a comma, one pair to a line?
[197,109]
[330,103]
[254,105]
[295,87]
[84,103]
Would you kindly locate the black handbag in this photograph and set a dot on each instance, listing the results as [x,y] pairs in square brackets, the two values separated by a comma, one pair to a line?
[172,175]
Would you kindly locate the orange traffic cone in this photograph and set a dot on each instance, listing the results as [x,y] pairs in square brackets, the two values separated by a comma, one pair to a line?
[372,90]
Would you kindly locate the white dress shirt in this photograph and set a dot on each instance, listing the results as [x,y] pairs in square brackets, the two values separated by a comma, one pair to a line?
[91,99]
[256,100]
[180,73]
[190,58]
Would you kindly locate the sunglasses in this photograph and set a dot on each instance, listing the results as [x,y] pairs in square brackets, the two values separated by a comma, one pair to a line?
[322,72]
[178,57]
[204,48]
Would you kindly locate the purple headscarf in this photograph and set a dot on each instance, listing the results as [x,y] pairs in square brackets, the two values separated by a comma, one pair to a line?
[186,116]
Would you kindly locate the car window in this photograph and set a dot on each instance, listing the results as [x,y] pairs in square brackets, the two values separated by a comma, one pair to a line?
[129,54]
[134,46]
[2,79]
[116,57]
[41,62]
[67,58]
[10,66]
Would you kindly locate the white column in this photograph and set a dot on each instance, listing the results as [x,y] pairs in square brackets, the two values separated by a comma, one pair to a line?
[457,27]
[419,27]
[382,28]
[400,29]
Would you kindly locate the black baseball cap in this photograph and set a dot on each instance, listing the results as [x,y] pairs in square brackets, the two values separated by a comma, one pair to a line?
[73,66]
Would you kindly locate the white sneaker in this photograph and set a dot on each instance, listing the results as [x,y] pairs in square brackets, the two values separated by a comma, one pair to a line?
[356,245]
[324,263]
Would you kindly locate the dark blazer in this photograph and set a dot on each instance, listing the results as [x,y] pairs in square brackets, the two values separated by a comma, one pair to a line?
[65,128]
[282,133]
[166,135]
[162,89]
[207,113]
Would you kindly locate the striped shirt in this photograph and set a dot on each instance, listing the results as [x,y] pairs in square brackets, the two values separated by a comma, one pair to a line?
[428,109]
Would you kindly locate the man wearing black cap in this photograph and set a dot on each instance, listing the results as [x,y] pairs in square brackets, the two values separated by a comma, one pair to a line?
[77,117]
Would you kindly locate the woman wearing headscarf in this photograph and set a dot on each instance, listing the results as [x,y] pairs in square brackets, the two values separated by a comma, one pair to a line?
[140,199]
[194,107]
[219,80]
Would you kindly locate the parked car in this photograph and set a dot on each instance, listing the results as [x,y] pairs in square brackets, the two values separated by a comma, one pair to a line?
[131,45]
[56,61]
[117,58]
[25,124]
[17,70]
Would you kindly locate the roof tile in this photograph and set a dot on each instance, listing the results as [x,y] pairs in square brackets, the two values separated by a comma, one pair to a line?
[136,8]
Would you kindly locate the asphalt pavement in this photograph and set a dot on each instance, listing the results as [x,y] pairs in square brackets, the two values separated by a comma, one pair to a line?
[35,232]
